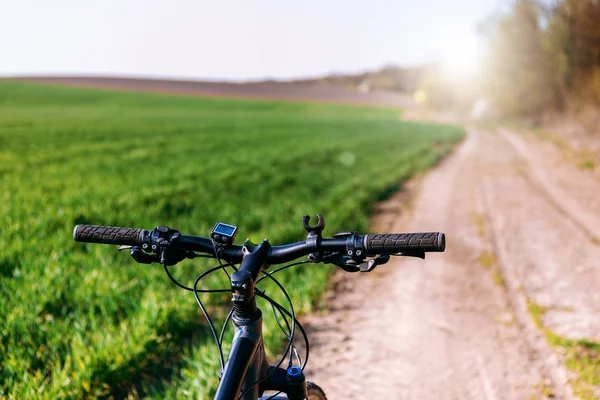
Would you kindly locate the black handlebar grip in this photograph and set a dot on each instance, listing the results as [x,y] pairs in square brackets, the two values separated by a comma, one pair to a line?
[108,235]
[404,242]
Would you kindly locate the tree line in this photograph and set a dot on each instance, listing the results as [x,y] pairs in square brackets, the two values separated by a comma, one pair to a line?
[543,58]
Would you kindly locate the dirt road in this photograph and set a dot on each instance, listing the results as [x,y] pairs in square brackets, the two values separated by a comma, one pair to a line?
[460,325]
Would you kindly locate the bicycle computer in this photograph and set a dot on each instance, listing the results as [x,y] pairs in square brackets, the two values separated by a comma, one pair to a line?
[224,233]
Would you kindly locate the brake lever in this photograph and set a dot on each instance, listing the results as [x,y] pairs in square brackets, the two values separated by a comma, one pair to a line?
[349,265]
[342,261]
[415,253]
[383,258]
[370,265]
[141,256]
[138,255]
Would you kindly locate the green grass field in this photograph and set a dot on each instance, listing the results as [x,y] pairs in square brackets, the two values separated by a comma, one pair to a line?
[82,321]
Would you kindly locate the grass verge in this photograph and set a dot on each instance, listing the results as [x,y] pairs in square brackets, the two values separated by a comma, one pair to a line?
[581,356]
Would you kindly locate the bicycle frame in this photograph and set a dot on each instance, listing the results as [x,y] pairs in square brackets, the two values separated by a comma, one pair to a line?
[247,362]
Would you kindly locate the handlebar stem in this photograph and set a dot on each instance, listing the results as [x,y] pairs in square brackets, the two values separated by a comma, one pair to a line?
[243,281]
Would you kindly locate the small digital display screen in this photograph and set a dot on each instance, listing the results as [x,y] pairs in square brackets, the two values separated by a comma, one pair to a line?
[223,229]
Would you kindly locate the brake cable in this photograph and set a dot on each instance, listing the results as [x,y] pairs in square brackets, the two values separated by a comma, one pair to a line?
[304,335]
[291,348]
[208,319]
[290,338]
[176,282]
[283,311]
[266,273]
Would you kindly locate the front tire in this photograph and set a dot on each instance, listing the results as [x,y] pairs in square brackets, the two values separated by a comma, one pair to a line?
[315,392]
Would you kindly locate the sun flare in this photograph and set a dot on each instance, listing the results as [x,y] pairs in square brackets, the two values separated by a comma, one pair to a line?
[461,57]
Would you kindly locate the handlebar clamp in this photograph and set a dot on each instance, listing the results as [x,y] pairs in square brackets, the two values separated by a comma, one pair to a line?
[355,247]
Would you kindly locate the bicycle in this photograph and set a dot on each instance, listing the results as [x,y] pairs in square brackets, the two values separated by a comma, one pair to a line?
[247,375]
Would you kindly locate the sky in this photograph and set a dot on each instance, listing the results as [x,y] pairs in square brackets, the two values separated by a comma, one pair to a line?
[233,39]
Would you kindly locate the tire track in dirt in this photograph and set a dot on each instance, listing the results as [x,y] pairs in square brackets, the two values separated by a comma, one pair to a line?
[570,207]
[508,166]
[546,240]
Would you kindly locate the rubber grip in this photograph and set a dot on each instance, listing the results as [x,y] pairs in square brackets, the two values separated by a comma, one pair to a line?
[108,235]
[403,242]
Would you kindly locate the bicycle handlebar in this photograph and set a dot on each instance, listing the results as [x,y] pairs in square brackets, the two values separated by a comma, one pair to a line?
[370,244]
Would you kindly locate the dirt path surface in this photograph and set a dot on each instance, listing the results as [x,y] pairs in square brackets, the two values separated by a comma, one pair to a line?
[458,325]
